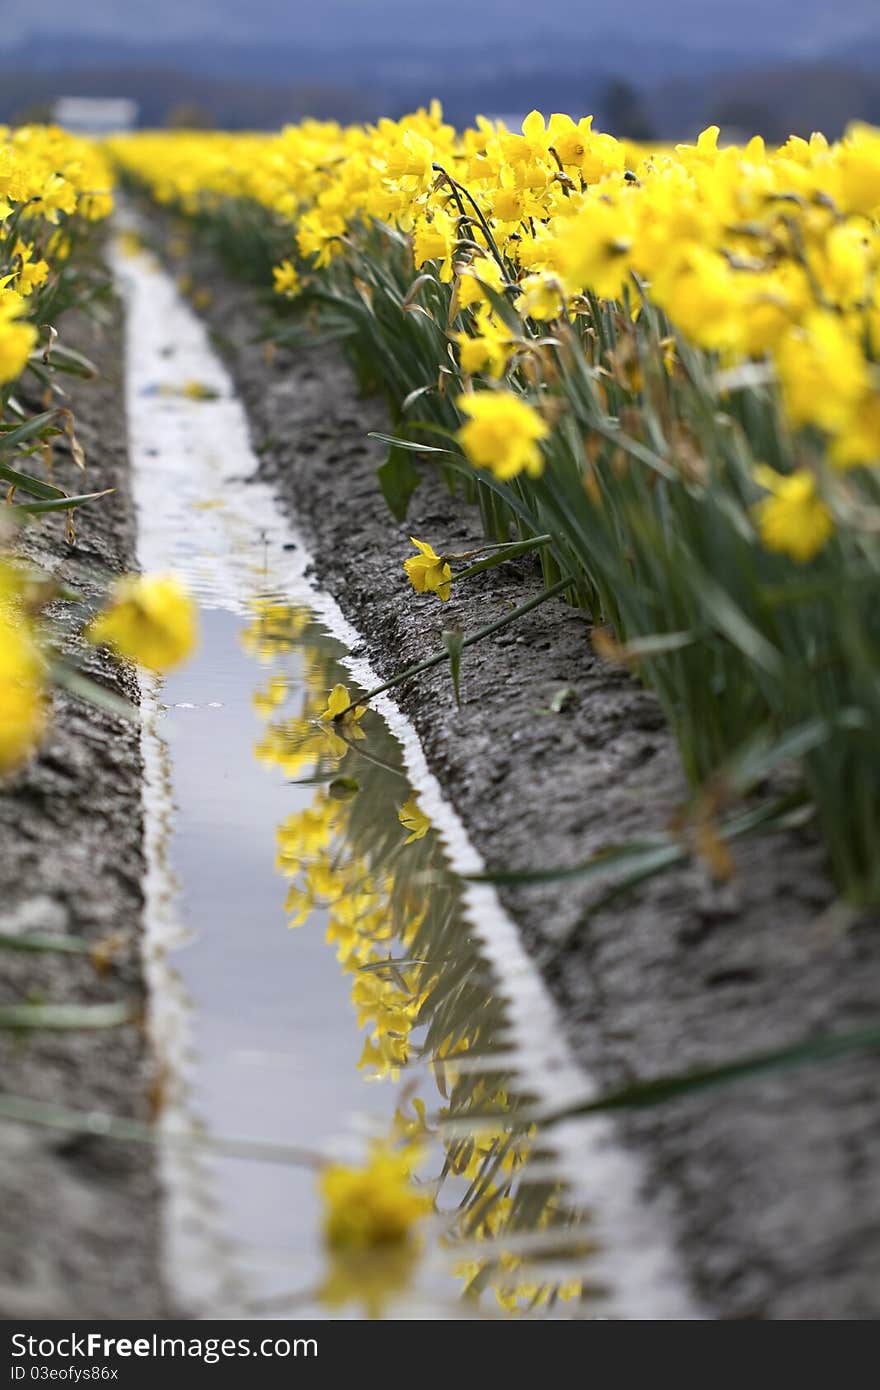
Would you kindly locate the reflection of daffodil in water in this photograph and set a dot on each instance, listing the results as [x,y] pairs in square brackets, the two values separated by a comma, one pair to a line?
[374,1205]
[340,857]
[266,701]
[339,707]
[413,819]
[274,629]
[372,1216]
[344,718]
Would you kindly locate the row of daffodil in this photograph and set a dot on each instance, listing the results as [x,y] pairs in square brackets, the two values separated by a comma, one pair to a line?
[658,366]
[54,187]
[51,183]
[362,856]
[749,251]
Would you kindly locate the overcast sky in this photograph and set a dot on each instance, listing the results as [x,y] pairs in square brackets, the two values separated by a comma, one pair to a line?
[797,27]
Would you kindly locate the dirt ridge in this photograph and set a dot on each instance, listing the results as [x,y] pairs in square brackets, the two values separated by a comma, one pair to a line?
[79,1217]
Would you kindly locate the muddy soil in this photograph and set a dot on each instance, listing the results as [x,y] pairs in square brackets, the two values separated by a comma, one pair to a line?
[773,1186]
[79,1217]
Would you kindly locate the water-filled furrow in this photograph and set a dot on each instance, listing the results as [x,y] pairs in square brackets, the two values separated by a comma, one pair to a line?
[322,977]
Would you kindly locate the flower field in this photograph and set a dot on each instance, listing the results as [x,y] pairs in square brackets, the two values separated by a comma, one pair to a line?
[54,189]
[657,368]
[651,373]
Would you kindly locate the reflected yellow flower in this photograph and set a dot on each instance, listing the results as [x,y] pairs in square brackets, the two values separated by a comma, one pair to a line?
[375,1204]
[413,819]
[379,921]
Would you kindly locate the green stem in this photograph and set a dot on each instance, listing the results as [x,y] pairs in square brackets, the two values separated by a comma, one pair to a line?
[20,1110]
[500,545]
[511,549]
[469,641]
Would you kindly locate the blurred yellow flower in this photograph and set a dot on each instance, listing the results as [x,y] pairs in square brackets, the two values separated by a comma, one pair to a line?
[17,340]
[22,698]
[375,1205]
[793,519]
[286,279]
[151,620]
[502,434]
[823,372]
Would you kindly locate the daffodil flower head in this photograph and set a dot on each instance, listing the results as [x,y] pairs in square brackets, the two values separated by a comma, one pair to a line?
[375,1205]
[286,279]
[413,819]
[150,619]
[22,699]
[339,707]
[793,519]
[502,434]
[428,571]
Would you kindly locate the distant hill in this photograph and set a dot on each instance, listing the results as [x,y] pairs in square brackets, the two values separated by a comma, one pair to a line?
[260,83]
[755,31]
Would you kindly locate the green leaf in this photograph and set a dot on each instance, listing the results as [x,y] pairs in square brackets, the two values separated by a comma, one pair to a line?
[10,439]
[84,688]
[34,487]
[453,641]
[733,623]
[658,644]
[668,1087]
[36,941]
[560,701]
[410,445]
[502,553]
[638,860]
[67,359]
[398,479]
[61,504]
[64,1017]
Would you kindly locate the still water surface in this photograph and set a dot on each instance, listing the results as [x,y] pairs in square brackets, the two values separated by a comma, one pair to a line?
[319,973]
[334,989]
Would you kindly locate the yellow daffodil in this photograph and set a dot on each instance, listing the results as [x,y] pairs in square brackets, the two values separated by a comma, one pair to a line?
[151,620]
[17,341]
[484,270]
[502,434]
[22,696]
[488,349]
[286,279]
[823,373]
[428,571]
[793,519]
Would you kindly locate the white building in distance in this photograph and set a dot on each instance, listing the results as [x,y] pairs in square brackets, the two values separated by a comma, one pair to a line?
[95,115]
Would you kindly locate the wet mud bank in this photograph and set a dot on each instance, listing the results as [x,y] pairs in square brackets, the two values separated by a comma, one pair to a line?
[770,1184]
[79,1234]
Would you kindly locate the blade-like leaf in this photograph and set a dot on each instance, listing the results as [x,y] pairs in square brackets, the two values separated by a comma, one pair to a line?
[453,640]
[398,479]
[61,504]
[63,1017]
[34,487]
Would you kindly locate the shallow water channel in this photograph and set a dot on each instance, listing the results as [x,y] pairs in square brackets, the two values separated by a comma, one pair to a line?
[322,976]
